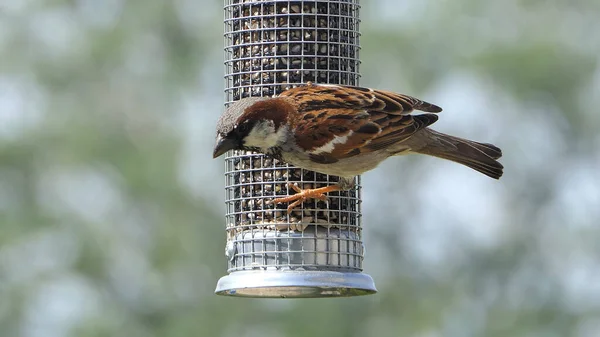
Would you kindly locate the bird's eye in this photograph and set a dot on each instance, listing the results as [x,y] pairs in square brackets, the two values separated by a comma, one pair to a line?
[243,128]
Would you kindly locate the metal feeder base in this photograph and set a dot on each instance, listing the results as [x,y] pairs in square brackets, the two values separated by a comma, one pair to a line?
[295,284]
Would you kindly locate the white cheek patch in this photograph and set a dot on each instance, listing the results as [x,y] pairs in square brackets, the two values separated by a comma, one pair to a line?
[264,136]
[329,147]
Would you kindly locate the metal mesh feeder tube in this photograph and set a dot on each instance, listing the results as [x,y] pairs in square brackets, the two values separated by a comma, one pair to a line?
[317,249]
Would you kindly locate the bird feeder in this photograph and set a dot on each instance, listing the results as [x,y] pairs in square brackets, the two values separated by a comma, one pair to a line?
[317,249]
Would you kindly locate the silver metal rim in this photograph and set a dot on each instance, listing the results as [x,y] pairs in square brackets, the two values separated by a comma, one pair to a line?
[295,284]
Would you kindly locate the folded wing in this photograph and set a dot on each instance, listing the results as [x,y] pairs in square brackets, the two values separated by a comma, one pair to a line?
[345,121]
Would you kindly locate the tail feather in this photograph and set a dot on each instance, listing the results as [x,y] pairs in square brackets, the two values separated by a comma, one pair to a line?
[478,156]
[491,150]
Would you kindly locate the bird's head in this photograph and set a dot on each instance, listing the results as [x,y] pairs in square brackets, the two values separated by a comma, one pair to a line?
[256,123]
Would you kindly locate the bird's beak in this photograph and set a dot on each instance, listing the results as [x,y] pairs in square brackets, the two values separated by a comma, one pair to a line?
[223,145]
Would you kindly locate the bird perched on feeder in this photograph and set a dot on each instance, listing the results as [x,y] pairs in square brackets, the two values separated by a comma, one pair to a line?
[343,131]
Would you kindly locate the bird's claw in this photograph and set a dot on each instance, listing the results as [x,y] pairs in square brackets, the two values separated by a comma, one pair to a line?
[300,197]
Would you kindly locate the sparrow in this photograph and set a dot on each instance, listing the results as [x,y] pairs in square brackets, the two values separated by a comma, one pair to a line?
[343,131]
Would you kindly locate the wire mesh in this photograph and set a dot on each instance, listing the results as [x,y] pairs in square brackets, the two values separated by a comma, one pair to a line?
[271,46]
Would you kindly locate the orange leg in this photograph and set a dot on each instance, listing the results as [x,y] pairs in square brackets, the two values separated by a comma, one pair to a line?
[303,195]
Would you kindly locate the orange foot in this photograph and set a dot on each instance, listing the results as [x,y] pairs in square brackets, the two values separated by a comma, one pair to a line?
[303,195]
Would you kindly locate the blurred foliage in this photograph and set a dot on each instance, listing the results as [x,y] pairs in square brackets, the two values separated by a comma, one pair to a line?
[111,213]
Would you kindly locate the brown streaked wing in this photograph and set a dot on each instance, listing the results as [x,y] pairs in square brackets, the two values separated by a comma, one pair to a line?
[403,104]
[393,129]
[315,129]
[317,97]
[376,118]
[314,96]
[397,128]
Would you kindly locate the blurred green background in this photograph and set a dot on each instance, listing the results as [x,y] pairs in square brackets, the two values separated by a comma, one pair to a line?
[111,207]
